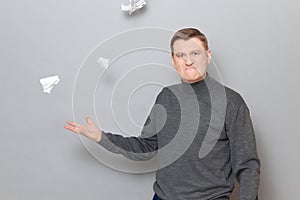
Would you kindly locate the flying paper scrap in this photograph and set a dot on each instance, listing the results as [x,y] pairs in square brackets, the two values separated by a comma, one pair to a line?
[133,6]
[49,82]
[103,62]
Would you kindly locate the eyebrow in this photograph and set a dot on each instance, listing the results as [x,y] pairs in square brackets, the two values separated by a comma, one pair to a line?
[183,52]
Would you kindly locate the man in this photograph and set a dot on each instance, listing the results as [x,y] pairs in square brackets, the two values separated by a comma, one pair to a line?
[213,155]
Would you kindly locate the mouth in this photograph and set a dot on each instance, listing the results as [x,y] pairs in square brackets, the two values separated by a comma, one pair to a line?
[190,68]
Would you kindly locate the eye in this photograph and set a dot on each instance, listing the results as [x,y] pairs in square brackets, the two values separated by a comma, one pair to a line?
[180,55]
[195,53]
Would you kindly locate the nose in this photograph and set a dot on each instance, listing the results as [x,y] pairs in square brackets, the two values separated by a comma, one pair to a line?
[188,60]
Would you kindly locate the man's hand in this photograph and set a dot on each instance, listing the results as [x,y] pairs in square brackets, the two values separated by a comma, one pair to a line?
[90,130]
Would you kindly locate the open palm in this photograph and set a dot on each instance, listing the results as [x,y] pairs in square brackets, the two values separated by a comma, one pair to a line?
[90,130]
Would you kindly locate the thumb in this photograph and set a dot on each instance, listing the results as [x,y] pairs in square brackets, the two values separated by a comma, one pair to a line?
[89,120]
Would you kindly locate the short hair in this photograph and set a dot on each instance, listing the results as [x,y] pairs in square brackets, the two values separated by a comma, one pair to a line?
[188,33]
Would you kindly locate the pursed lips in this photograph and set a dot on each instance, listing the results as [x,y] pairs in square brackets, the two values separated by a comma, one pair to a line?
[189,68]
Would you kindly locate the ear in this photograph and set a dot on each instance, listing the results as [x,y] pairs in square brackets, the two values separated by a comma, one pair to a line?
[209,56]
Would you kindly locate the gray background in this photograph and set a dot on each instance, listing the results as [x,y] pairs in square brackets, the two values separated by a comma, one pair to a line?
[254,44]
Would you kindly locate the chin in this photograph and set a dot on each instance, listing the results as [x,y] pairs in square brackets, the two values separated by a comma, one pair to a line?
[190,79]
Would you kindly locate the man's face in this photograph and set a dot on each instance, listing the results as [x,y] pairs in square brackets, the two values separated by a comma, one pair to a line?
[190,59]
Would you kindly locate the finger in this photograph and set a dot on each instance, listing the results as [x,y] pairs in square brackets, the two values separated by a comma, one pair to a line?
[71,128]
[89,120]
[72,123]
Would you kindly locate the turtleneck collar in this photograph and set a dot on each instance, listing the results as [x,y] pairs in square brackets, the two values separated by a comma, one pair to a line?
[196,86]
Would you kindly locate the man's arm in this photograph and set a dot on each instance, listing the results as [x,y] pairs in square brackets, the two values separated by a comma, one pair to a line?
[136,148]
[244,158]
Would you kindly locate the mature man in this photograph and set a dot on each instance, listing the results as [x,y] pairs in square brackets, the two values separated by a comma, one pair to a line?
[215,131]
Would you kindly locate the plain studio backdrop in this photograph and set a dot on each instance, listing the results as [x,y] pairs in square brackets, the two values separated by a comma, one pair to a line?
[255,46]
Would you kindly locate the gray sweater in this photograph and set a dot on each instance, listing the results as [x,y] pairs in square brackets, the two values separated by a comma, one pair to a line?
[202,136]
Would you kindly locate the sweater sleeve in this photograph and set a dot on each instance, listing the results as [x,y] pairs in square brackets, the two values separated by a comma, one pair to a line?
[244,158]
[143,147]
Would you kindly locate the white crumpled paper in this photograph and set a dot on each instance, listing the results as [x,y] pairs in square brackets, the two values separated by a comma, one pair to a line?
[133,6]
[49,82]
[103,62]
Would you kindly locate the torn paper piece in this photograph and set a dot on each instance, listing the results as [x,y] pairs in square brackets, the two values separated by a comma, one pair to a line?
[133,6]
[103,62]
[49,82]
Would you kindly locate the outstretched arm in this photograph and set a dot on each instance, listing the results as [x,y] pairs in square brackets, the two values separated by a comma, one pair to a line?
[135,148]
[143,147]
[90,130]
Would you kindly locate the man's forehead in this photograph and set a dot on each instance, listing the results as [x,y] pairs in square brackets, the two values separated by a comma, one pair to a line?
[189,44]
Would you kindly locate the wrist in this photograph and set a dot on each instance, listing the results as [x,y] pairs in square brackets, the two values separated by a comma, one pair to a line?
[98,137]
